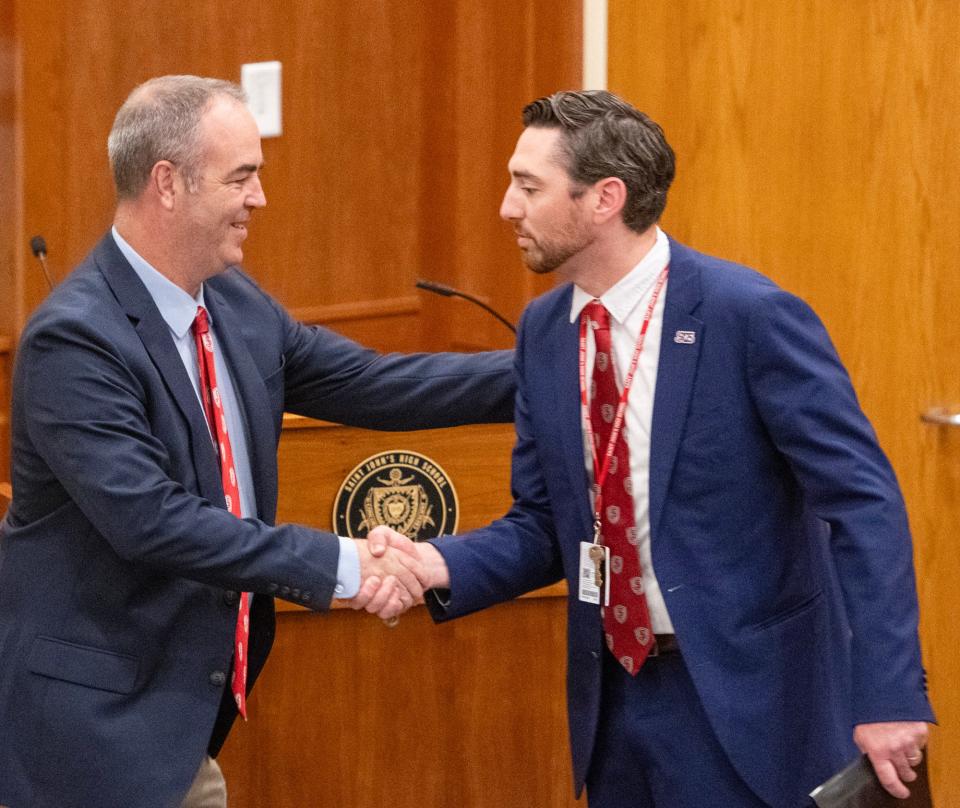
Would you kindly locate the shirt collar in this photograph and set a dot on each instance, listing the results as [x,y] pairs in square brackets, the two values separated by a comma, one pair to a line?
[176,306]
[625,295]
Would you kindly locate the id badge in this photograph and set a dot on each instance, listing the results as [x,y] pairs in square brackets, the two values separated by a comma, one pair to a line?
[594,583]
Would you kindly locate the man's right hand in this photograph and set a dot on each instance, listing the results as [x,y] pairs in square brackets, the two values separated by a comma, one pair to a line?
[435,574]
[390,577]
[378,596]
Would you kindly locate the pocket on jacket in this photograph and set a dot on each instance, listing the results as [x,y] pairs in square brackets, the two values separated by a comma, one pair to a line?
[83,665]
[275,377]
[790,612]
[274,382]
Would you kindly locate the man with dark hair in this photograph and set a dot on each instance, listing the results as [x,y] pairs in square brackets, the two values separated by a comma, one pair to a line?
[692,458]
[604,136]
[139,557]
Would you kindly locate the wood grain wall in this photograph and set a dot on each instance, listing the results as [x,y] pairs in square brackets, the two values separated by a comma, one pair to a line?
[10,209]
[817,142]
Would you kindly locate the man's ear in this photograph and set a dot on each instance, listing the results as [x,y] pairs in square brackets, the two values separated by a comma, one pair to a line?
[610,195]
[166,183]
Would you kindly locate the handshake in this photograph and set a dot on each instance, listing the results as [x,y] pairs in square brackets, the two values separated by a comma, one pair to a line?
[395,572]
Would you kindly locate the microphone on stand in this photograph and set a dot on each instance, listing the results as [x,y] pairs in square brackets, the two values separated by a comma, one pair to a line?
[38,244]
[449,291]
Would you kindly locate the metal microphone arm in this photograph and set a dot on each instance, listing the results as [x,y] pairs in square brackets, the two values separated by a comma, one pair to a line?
[449,291]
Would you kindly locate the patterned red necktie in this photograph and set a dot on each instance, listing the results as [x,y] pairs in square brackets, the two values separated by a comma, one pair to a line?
[626,621]
[213,409]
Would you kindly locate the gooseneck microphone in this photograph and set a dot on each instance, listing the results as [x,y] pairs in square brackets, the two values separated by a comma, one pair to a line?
[449,291]
[39,246]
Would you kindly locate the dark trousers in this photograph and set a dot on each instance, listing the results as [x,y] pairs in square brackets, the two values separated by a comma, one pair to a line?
[655,747]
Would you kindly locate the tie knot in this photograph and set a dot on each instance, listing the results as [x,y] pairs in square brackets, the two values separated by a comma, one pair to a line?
[598,315]
[200,323]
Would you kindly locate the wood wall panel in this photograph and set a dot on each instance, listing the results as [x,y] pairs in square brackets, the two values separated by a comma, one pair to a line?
[9,198]
[341,183]
[817,142]
[10,212]
[500,55]
[343,192]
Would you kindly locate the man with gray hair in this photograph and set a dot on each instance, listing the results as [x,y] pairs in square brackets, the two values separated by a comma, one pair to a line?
[692,458]
[139,558]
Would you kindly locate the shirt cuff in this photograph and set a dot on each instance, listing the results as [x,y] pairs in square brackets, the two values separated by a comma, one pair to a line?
[348,570]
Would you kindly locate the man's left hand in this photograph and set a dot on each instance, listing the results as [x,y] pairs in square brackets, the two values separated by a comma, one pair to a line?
[894,749]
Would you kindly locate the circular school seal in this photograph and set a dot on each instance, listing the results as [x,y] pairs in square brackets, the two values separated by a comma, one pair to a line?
[403,490]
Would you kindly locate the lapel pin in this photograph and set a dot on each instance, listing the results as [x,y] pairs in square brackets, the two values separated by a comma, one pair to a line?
[685,337]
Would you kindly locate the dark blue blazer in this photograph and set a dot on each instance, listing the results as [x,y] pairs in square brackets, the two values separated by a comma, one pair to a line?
[778,532]
[119,565]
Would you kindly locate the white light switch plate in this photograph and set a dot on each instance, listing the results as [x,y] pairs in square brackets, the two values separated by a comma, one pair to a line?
[261,80]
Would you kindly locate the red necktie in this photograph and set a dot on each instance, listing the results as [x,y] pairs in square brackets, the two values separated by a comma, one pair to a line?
[626,621]
[213,409]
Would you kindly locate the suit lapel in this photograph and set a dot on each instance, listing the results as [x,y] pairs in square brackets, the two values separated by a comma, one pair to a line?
[563,387]
[675,373]
[253,398]
[154,333]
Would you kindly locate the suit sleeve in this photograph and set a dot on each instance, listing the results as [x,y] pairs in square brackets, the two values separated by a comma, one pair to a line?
[330,377]
[87,419]
[516,554]
[809,407]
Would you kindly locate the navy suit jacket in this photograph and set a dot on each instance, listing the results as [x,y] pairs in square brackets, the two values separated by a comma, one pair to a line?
[778,532]
[120,567]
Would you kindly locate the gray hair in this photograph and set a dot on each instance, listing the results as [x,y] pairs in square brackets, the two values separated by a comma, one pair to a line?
[160,121]
[604,136]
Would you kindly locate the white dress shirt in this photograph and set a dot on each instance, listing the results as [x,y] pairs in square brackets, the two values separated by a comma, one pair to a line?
[627,303]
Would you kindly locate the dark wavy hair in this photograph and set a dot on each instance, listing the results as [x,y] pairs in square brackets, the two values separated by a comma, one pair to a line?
[604,136]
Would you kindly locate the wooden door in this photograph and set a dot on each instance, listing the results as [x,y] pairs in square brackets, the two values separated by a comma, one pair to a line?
[818,142]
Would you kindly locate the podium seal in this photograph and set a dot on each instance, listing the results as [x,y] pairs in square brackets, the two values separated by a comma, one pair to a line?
[403,490]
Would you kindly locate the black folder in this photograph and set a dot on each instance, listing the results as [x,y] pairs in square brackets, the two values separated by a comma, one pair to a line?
[857,786]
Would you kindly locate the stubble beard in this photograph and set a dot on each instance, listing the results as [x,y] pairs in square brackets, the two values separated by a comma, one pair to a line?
[545,256]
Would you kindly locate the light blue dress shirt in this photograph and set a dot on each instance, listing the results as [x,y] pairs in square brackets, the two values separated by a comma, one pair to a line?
[179,309]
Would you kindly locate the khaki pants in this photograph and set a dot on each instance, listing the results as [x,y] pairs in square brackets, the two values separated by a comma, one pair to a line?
[209,789]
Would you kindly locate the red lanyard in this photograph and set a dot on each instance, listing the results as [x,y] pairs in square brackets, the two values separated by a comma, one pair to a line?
[600,474]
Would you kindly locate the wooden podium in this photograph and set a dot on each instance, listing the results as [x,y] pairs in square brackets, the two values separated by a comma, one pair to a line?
[349,713]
